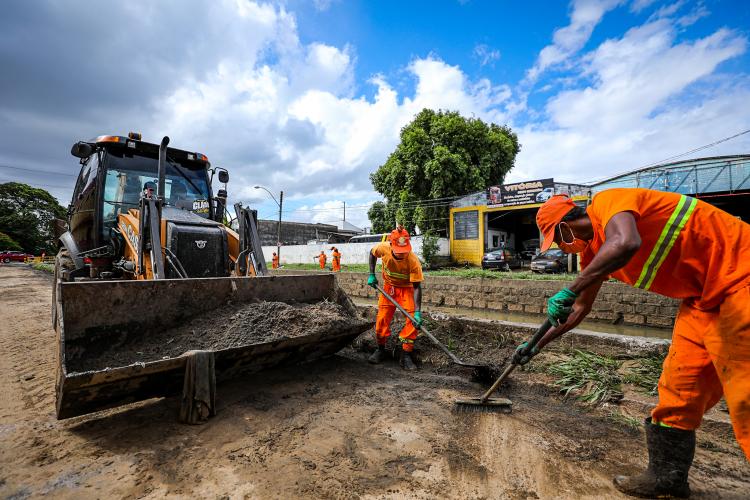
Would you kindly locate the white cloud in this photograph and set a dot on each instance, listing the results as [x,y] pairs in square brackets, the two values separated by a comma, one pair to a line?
[639,5]
[284,113]
[585,16]
[485,54]
[650,98]
[295,125]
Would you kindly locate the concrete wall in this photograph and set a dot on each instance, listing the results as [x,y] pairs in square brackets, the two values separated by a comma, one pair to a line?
[351,253]
[616,302]
[292,233]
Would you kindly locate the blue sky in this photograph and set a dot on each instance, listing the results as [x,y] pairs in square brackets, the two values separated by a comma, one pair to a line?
[309,96]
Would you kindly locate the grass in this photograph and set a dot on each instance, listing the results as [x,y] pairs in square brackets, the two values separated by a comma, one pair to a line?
[645,373]
[470,273]
[47,268]
[592,377]
[473,273]
[624,420]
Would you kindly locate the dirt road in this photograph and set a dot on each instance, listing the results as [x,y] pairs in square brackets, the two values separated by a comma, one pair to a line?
[334,429]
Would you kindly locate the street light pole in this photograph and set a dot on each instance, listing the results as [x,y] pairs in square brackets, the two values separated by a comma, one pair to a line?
[278,235]
[280,203]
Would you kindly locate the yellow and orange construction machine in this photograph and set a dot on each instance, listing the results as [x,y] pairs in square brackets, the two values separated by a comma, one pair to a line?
[147,244]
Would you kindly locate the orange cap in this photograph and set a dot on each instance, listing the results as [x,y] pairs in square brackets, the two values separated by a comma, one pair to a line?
[399,239]
[549,216]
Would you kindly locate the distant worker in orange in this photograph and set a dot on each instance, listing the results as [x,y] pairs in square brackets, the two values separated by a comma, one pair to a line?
[275,261]
[336,262]
[402,280]
[681,247]
[322,259]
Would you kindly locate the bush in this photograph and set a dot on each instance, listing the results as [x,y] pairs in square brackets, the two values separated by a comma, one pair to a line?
[429,248]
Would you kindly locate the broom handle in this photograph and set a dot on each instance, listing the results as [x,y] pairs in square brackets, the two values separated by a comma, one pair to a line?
[422,328]
[530,345]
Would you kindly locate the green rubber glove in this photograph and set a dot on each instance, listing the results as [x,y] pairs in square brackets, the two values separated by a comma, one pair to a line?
[559,306]
[418,319]
[372,280]
[523,355]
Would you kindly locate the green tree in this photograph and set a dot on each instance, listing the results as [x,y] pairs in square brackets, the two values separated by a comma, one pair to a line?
[27,215]
[382,218]
[8,243]
[441,155]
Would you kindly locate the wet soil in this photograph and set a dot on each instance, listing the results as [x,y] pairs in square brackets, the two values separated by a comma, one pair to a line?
[337,428]
[233,326]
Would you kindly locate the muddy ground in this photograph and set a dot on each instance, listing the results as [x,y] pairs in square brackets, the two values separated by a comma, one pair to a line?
[236,325]
[338,428]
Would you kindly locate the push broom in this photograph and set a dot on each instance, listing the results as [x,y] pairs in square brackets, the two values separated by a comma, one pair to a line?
[486,404]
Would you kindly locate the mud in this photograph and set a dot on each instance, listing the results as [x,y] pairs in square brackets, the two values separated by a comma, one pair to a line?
[338,428]
[234,326]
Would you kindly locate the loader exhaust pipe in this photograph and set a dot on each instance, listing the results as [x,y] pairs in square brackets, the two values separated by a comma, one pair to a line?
[162,167]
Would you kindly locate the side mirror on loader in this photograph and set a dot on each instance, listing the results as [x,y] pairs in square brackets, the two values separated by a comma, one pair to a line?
[223,176]
[82,150]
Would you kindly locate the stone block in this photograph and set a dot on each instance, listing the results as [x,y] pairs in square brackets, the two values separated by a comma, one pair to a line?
[464,302]
[661,321]
[496,306]
[515,307]
[450,300]
[532,309]
[634,319]
[647,309]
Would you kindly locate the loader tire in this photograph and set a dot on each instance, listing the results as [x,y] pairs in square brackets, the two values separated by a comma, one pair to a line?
[63,263]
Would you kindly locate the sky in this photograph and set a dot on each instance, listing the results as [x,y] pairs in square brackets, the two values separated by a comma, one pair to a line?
[309,97]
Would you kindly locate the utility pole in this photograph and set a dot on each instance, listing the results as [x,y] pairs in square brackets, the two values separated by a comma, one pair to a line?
[278,234]
[344,211]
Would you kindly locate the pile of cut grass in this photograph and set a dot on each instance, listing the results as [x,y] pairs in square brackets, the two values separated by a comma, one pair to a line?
[592,377]
[645,374]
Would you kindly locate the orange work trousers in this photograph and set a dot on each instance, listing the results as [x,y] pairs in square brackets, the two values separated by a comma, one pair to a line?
[405,297]
[322,263]
[709,357]
[336,264]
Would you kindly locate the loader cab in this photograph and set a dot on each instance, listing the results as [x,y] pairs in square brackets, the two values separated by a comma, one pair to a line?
[114,174]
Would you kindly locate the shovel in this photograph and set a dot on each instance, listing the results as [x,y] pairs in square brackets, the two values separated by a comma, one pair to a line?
[482,371]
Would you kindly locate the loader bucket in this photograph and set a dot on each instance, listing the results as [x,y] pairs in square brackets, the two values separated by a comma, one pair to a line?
[96,315]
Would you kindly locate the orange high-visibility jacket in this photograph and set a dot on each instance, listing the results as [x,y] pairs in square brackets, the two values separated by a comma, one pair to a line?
[689,249]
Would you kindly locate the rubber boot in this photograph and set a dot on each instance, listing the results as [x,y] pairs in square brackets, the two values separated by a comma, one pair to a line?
[378,356]
[670,455]
[406,362]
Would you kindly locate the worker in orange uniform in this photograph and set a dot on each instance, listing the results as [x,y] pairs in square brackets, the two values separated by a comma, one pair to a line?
[336,262]
[402,277]
[684,248]
[322,259]
[275,261]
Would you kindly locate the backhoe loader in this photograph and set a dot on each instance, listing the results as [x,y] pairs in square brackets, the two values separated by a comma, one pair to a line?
[147,245]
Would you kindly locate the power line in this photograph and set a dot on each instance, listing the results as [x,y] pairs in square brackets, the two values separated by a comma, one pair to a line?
[665,160]
[38,171]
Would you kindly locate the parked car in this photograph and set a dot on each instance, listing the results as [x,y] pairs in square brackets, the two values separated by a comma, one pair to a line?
[530,249]
[553,260]
[503,259]
[545,195]
[13,256]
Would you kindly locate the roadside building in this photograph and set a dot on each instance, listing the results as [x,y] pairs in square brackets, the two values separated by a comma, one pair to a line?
[503,216]
[506,215]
